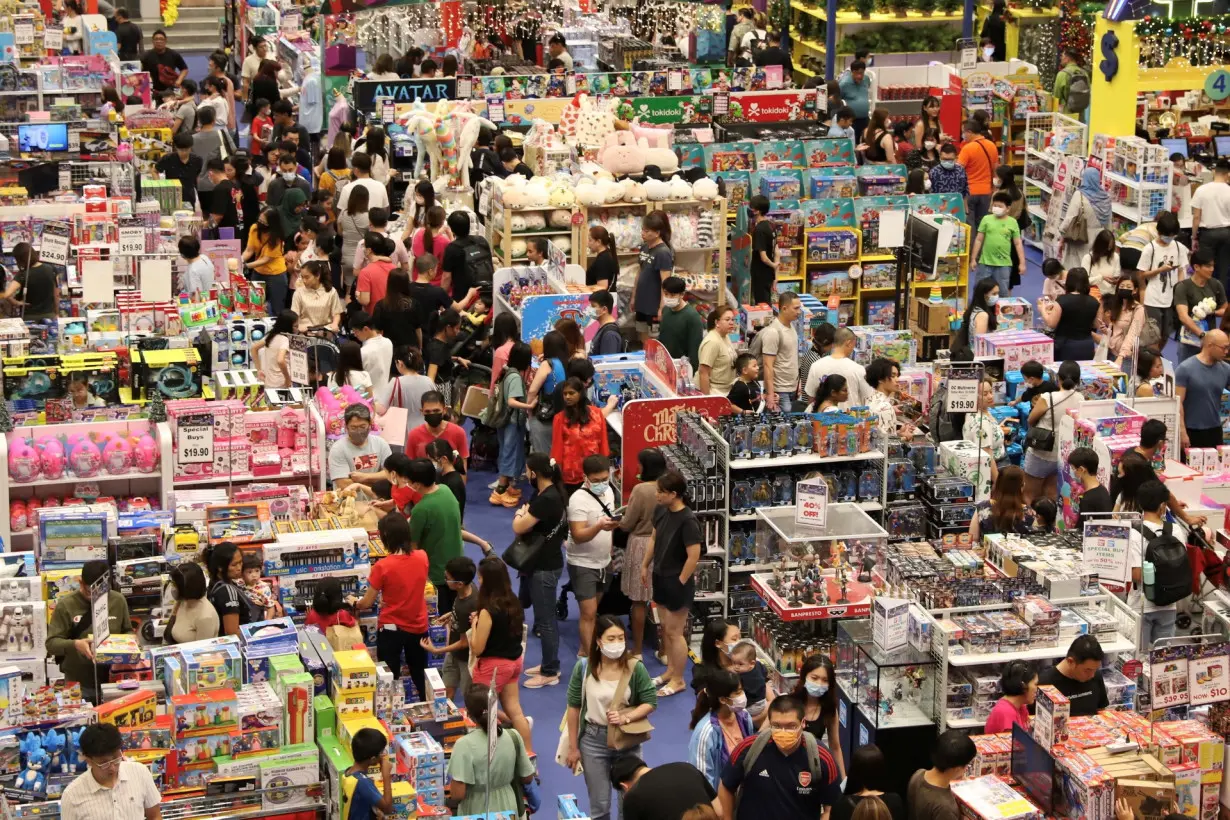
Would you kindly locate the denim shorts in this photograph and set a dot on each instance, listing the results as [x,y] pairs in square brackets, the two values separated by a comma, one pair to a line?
[1038,467]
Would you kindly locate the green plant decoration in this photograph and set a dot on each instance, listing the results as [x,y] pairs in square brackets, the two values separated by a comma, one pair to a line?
[925,7]
[865,8]
[901,8]
[950,6]
[6,421]
[157,410]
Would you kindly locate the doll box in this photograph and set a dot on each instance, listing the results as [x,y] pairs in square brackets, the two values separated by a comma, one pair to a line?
[148,738]
[210,668]
[137,709]
[205,712]
[254,742]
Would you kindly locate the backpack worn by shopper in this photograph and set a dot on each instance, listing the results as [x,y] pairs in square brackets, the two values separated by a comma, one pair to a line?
[498,413]
[1172,569]
[1078,91]
[478,260]
[763,739]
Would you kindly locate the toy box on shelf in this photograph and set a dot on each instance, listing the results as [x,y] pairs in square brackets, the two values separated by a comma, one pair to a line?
[1138,176]
[1049,139]
[830,252]
[524,211]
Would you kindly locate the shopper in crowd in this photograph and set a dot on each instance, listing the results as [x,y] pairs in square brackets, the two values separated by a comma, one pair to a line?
[394,315]
[928,120]
[840,362]
[34,286]
[358,457]
[128,37]
[251,64]
[1019,685]
[817,691]
[1157,622]
[984,429]
[367,801]
[545,517]
[877,146]
[821,346]
[199,274]
[260,132]
[578,432]
[572,337]
[929,796]
[1079,677]
[657,261]
[264,86]
[1102,263]
[999,235]
[1211,219]
[1090,206]
[548,378]
[111,786]
[349,370]
[438,352]
[166,67]
[316,302]
[1199,288]
[764,251]
[603,269]
[1199,382]
[512,457]
[780,352]
[336,173]
[1008,510]
[1162,264]
[505,332]
[182,164]
[636,581]
[383,69]
[948,176]
[746,394]
[755,679]
[719,723]
[361,168]
[68,632]
[765,770]
[774,54]
[424,200]
[717,642]
[855,86]
[1040,465]
[401,577]
[671,791]
[868,782]
[273,351]
[557,47]
[243,185]
[376,350]
[224,562]
[673,553]
[1122,318]
[716,353]
[1149,367]
[433,237]
[290,215]
[373,279]
[882,375]
[1070,71]
[496,639]
[353,222]
[833,392]
[1073,317]
[80,394]
[378,223]
[329,608]
[744,22]
[435,425]
[459,574]
[264,256]
[609,689]
[681,328]
[979,157]
[843,124]
[1094,498]
[484,773]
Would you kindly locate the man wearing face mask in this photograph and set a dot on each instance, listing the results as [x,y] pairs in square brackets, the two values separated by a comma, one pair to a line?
[359,457]
[433,427]
[588,548]
[1162,264]
[948,177]
[286,178]
[608,339]
[781,772]
[681,328]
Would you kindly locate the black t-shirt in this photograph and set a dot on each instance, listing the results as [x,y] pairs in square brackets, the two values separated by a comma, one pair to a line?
[228,201]
[428,301]
[673,532]
[172,167]
[501,642]
[163,68]
[249,186]
[462,609]
[1080,311]
[763,240]
[455,263]
[845,807]
[305,139]
[1096,500]
[38,291]
[774,55]
[128,40]
[456,482]
[263,88]
[603,266]
[440,354]
[548,507]
[229,599]
[1086,698]
[744,395]
[1045,387]
[667,792]
[397,325]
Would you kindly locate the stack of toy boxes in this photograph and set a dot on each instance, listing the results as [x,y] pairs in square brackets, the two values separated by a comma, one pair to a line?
[990,798]
[1052,710]
[336,760]
[993,755]
[309,653]
[206,724]
[138,708]
[353,687]
[265,640]
[304,552]
[260,720]
[965,459]
[1086,784]
[201,668]
[1206,752]
[1099,380]
[160,654]
[447,731]
[1043,619]
[420,759]
[1015,347]
[390,695]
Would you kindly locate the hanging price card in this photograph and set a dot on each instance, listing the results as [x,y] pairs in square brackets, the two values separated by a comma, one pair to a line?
[1168,676]
[465,87]
[495,109]
[721,103]
[23,33]
[65,177]
[53,39]
[297,360]
[811,502]
[54,246]
[962,382]
[194,439]
[674,80]
[1208,674]
[132,236]
[100,611]
[74,139]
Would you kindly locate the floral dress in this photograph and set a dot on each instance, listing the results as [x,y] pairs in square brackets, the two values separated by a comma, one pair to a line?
[982,429]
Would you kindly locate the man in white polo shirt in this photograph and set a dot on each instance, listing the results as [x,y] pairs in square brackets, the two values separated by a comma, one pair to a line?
[113,788]
[839,362]
[1211,220]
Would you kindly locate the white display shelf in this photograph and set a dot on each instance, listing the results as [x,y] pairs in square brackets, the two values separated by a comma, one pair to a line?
[966,723]
[1120,644]
[865,506]
[800,460]
[1131,183]
[1039,184]
[100,478]
[1042,155]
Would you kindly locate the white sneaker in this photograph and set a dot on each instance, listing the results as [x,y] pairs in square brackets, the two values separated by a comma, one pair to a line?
[530,720]
[493,484]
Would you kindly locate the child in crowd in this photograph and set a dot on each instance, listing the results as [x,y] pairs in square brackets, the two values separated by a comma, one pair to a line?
[1052,270]
[745,392]
[750,670]
[1032,375]
[1045,510]
[262,127]
[1094,498]
[367,748]
[199,275]
[259,592]
[459,576]
[328,606]
[843,124]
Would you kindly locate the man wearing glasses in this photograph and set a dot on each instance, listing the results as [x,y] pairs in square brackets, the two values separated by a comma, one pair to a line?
[113,788]
[359,457]
[1199,382]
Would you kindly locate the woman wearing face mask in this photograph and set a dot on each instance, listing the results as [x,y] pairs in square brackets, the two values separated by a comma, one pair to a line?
[719,723]
[928,154]
[878,146]
[716,354]
[1102,262]
[716,644]
[578,430]
[1042,466]
[994,34]
[1122,318]
[603,269]
[817,690]
[608,689]
[1072,317]
[980,316]
[263,254]
[638,523]
[928,121]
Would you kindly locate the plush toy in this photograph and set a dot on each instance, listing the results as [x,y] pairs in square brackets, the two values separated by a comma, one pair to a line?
[34,777]
[516,223]
[562,196]
[588,193]
[518,248]
[620,154]
[633,191]
[74,764]
[680,189]
[564,243]
[536,194]
[657,152]
[535,221]
[705,189]
[611,190]
[53,742]
[657,190]
[560,218]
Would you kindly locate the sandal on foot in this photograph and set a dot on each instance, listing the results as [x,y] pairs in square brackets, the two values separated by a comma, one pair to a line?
[667,691]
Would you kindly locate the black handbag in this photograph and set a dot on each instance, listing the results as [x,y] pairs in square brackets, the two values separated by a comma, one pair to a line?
[1040,438]
[522,554]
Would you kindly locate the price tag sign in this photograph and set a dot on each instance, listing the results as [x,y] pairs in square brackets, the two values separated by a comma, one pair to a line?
[721,103]
[132,236]
[674,81]
[194,440]
[23,33]
[495,109]
[1208,674]
[465,87]
[962,382]
[969,59]
[53,39]
[65,177]
[74,140]
[1217,85]
[570,83]
[100,611]
[54,247]
[811,498]
[1168,673]
[297,360]
[388,111]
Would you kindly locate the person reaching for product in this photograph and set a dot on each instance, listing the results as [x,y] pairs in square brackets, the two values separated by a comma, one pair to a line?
[367,749]
[459,575]
[68,633]
[1078,677]
[1019,684]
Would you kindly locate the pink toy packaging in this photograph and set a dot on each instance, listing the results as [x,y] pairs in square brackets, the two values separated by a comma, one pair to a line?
[23,461]
[19,515]
[84,457]
[53,459]
[117,455]
[145,453]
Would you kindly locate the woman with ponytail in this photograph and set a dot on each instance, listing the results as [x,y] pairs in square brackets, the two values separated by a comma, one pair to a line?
[657,264]
[468,767]
[433,237]
[673,555]
[545,517]
[719,723]
[224,562]
[1042,466]
[603,269]
[448,472]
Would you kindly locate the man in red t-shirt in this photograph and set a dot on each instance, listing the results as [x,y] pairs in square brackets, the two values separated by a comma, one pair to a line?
[374,279]
[434,426]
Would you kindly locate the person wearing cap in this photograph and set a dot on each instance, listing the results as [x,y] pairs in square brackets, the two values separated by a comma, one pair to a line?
[557,46]
[359,457]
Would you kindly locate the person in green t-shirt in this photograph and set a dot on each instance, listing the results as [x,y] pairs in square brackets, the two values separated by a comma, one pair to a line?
[997,234]
[681,328]
[435,522]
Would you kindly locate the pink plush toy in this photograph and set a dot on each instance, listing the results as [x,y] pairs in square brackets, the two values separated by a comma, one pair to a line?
[145,453]
[19,516]
[332,412]
[620,154]
[53,459]
[84,458]
[117,455]
[23,460]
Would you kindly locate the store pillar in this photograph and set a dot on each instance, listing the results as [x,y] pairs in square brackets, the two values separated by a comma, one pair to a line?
[1114,73]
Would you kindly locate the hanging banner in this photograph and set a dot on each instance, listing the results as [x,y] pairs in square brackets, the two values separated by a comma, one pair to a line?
[651,423]
[404,91]
[1105,548]
[1208,674]
[1168,684]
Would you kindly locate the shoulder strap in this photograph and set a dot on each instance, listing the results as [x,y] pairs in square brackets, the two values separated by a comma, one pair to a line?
[621,686]
[813,756]
[983,148]
[601,503]
[749,760]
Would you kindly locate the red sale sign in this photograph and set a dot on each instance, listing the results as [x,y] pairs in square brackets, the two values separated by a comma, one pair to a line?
[658,359]
[651,423]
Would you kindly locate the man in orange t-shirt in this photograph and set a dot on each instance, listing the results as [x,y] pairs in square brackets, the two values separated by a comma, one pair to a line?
[980,158]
